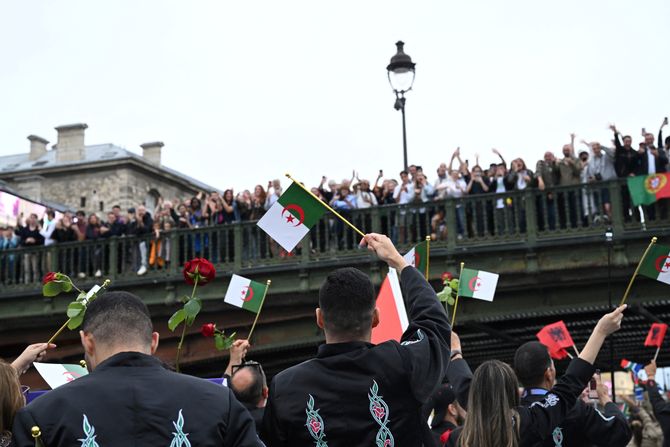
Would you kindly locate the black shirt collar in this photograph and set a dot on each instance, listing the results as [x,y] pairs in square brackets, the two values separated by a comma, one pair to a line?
[330,349]
[130,359]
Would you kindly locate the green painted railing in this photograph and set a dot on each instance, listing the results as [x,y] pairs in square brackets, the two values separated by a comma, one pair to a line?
[528,218]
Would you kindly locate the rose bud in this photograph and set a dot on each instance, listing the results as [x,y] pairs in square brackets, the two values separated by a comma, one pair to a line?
[208,329]
[49,277]
[199,268]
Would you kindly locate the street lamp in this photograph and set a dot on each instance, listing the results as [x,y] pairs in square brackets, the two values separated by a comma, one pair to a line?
[401,77]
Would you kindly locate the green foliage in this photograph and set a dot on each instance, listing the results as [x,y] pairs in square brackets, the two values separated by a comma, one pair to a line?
[62,283]
[448,294]
[223,342]
[176,319]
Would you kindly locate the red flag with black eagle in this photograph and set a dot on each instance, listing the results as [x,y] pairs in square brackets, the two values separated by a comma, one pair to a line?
[656,335]
[556,337]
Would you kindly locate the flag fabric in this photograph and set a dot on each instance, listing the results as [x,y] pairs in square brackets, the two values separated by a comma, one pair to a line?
[558,354]
[556,338]
[656,264]
[393,319]
[656,335]
[245,293]
[417,257]
[631,366]
[57,374]
[291,217]
[477,284]
[645,190]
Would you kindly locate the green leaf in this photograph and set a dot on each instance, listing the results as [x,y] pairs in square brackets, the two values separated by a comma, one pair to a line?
[454,284]
[192,308]
[176,319]
[52,288]
[451,300]
[66,286]
[81,296]
[74,309]
[219,342]
[75,322]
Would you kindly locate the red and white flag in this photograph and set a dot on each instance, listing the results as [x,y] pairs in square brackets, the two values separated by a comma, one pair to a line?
[393,319]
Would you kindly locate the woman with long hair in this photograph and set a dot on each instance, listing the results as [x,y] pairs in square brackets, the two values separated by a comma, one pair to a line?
[495,417]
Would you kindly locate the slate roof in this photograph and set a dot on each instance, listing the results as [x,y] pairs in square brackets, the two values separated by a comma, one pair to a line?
[21,164]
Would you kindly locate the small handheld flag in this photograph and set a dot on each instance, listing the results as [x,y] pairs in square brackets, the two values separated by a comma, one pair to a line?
[393,319]
[555,337]
[56,374]
[637,269]
[245,293]
[418,257]
[477,284]
[656,335]
[656,265]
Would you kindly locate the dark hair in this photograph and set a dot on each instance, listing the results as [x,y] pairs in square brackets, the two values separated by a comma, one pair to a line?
[441,399]
[404,172]
[531,360]
[118,317]
[253,392]
[347,300]
[627,136]
[667,141]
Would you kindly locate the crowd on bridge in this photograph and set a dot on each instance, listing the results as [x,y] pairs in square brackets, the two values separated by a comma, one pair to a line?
[419,391]
[499,215]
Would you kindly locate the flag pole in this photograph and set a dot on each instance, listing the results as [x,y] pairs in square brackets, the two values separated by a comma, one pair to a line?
[36,433]
[253,326]
[569,355]
[576,350]
[458,294]
[637,269]
[656,355]
[328,207]
[427,257]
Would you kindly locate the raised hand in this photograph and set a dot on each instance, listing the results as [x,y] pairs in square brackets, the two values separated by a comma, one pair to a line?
[33,353]
[382,246]
[650,369]
[611,322]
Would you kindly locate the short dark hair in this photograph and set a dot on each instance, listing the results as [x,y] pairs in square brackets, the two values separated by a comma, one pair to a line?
[118,317]
[404,172]
[531,360]
[253,393]
[347,300]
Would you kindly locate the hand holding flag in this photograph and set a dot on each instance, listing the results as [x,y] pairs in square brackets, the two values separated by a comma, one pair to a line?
[655,337]
[382,246]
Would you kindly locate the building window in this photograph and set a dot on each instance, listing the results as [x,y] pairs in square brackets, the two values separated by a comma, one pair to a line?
[102,206]
[82,202]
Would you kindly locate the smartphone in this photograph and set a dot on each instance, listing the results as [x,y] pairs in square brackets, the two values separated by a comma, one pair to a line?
[593,386]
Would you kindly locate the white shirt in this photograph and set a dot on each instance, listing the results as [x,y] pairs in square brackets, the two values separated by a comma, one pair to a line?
[405,196]
[651,162]
[365,199]
[500,187]
[455,188]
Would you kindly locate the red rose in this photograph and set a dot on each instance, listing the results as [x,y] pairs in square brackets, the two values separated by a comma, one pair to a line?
[208,329]
[447,276]
[315,426]
[199,268]
[49,277]
[379,411]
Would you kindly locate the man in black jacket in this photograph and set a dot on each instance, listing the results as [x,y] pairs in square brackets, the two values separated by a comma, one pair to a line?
[661,407]
[129,398]
[355,393]
[447,414]
[584,425]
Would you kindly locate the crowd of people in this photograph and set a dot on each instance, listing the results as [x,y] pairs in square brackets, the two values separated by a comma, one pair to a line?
[454,180]
[416,392]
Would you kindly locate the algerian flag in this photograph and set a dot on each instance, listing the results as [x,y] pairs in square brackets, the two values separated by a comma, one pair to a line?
[657,264]
[245,293]
[56,374]
[417,257]
[291,217]
[477,284]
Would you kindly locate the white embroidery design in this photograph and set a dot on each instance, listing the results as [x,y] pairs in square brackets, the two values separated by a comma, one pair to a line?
[380,413]
[557,437]
[179,439]
[419,335]
[89,432]
[314,424]
[549,401]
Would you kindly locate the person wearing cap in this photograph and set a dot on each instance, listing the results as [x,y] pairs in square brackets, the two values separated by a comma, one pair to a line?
[447,414]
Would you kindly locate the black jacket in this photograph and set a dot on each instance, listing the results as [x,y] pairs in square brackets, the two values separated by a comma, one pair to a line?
[131,400]
[661,410]
[625,159]
[360,394]
[661,161]
[441,431]
[584,425]
[539,421]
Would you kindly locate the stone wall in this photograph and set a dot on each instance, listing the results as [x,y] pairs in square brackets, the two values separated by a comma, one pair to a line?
[123,185]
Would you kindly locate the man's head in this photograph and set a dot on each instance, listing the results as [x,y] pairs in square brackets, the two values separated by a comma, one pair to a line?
[446,407]
[116,322]
[534,366]
[412,170]
[111,218]
[567,150]
[442,170]
[549,157]
[584,156]
[597,150]
[649,139]
[627,141]
[250,385]
[116,209]
[404,177]
[347,309]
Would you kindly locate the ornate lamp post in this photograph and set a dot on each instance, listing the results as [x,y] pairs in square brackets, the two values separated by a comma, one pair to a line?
[401,77]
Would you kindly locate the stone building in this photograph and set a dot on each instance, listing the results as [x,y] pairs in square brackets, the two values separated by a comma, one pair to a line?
[96,177]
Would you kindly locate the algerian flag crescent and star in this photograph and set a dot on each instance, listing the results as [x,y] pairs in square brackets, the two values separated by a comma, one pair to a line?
[477,284]
[245,293]
[656,264]
[291,217]
[417,257]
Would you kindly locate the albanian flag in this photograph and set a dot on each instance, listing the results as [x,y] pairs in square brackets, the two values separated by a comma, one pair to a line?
[656,335]
[556,338]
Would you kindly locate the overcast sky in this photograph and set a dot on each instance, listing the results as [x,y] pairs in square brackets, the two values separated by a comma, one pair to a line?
[241,92]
